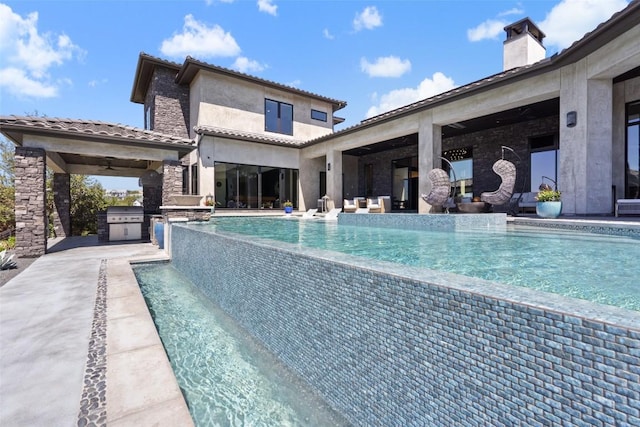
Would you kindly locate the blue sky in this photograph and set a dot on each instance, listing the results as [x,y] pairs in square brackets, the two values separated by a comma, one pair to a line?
[77,59]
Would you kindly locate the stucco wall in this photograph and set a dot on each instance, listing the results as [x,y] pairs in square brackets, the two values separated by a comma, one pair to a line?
[230,103]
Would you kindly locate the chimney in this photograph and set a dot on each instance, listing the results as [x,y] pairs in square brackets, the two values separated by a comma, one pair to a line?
[523,45]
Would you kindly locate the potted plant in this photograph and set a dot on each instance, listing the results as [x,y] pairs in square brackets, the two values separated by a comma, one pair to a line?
[288,207]
[548,203]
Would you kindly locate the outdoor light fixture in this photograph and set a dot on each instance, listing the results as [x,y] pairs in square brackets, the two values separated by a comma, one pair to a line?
[328,166]
[572,119]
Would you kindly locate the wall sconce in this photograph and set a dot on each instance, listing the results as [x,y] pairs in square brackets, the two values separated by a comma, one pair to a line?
[328,166]
[572,119]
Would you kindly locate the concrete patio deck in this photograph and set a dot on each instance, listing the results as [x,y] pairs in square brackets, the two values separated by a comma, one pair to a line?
[46,334]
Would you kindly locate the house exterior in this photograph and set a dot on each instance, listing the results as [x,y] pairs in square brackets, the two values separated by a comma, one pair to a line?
[572,119]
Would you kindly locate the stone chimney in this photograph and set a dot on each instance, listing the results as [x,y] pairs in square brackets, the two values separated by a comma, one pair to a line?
[523,45]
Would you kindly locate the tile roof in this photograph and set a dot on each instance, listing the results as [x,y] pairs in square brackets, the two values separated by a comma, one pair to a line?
[247,136]
[89,129]
[191,66]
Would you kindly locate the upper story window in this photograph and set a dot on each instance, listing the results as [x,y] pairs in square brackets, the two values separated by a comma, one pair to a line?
[319,115]
[147,118]
[278,117]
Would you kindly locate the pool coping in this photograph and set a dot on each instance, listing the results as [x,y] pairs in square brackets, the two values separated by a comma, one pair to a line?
[141,386]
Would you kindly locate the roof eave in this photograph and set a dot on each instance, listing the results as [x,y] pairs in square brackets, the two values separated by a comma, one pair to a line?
[144,71]
[191,67]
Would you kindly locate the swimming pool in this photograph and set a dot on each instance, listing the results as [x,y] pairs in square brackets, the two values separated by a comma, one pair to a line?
[226,377]
[395,344]
[596,267]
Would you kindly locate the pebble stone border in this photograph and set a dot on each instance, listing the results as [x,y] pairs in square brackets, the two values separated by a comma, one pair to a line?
[93,404]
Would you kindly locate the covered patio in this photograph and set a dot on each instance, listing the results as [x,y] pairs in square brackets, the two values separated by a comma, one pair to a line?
[69,147]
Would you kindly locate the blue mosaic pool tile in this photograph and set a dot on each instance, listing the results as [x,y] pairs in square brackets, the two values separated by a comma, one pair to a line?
[390,345]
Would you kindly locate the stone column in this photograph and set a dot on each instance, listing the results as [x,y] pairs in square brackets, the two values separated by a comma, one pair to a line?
[171,180]
[429,151]
[62,204]
[30,204]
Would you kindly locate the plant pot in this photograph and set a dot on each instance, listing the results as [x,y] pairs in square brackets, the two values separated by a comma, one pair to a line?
[288,209]
[549,209]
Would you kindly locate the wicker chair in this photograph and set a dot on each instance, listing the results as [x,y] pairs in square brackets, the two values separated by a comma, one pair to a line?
[507,172]
[440,188]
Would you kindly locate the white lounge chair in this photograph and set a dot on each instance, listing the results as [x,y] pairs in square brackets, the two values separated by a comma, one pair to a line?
[333,214]
[310,213]
[628,207]
[349,205]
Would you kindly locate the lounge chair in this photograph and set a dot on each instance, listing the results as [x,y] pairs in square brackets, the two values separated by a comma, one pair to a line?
[310,213]
[349,206]
[332,214]
[374,205]
[507,172]
[628,207]
[440,188]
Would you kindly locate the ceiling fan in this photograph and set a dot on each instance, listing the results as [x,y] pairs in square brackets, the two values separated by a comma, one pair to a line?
[108,167]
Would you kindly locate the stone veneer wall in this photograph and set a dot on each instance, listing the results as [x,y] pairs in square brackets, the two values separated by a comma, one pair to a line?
[169,104]
[171,180]
[62,204]
[406,347]
[30,201]
[486,150]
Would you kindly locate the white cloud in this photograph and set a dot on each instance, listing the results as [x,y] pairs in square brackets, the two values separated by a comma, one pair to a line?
[210,2]
[429,87]
[200,41]
[29,55]
[368,19]
[584,16]
[514,11]
[327,34]
[97,82]
[489,29]
[294,83]
[267,6]
[246,65]
[17,83]
[389,66]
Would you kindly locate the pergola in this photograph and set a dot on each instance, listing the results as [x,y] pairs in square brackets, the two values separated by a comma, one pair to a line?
[86,148]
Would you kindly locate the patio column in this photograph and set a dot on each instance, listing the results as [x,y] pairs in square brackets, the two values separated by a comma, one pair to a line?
[429,151]
[334,177]
[62,204]
[30,204]
[171,180]
[585,164]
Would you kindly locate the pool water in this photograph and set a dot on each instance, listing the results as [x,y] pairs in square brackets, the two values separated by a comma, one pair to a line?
[226,377]
[596,267]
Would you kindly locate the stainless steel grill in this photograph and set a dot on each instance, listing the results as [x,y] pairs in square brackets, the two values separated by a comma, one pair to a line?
[125,222]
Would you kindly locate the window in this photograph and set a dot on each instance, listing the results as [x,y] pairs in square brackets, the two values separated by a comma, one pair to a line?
[318,115]
[404,191]
[632,167]
[147,118]
[278,117]
[194,178]
[544,161]
[254,187]
[462,162]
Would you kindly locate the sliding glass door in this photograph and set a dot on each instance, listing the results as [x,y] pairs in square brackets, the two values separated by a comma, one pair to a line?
[632,181]
[254,187]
